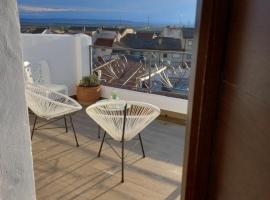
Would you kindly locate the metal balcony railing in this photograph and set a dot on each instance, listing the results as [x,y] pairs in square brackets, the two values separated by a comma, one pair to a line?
[153,71]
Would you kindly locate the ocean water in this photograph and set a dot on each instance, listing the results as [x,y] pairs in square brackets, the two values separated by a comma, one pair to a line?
[91,22]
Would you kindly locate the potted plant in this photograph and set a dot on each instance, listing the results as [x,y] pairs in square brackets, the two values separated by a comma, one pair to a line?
[114,95]
[88,91]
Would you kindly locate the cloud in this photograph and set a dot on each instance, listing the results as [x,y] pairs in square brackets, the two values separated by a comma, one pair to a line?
[27,8]
[39,9]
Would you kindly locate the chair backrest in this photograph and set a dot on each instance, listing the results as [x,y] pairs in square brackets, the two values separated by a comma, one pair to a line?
[38,73]
[28,72]
[47,103]
[110,116]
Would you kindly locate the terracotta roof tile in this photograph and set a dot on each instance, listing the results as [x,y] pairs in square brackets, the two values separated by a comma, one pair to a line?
[104,42]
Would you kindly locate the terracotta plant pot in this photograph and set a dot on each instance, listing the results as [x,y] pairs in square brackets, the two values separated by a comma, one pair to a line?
[88,95]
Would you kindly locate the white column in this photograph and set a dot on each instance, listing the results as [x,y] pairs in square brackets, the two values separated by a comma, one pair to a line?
[16,167]
[82,43]
[78,59]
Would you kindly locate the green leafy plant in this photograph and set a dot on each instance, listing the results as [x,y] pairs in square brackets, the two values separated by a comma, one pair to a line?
[90,81]
[114,94]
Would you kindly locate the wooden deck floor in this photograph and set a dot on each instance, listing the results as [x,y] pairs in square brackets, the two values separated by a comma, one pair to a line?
[63,171]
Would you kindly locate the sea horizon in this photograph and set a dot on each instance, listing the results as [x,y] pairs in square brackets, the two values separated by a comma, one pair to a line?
[48,21]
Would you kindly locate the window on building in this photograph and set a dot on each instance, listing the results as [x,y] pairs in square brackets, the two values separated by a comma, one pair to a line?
[189,42]
[189,56]
[165,55]
[176,55]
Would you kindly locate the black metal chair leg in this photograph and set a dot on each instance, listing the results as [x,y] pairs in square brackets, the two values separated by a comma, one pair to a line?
[98,132]
[123,148]
[77,144]
[65,123]
[141,145]
[33,129]
[123,142]
[103,139]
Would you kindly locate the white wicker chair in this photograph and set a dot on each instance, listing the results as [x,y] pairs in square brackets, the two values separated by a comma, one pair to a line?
[48,104]
[39,73]
[123,120]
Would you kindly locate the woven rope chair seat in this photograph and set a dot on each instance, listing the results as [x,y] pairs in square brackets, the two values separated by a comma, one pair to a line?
[110,116]
[47,103]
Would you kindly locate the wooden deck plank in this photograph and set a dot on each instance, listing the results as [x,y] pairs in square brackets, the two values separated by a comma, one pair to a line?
[63,171]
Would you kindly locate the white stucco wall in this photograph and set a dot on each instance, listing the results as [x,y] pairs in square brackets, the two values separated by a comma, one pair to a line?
[172,32]
[16,167]
[165,103]
[67,55]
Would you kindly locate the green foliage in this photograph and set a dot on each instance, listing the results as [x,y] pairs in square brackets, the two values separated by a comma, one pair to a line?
[90,81]
[114,95]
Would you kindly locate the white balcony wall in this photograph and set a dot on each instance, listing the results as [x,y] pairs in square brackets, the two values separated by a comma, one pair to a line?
[67,56]
[165,103]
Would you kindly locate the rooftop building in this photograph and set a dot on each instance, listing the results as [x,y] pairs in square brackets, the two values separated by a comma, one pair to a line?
[33,30]
[158,43]
[88,30]
[172,32]
[105,42]
[188,32]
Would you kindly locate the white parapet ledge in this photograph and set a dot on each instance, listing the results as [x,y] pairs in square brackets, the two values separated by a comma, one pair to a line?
[163,102]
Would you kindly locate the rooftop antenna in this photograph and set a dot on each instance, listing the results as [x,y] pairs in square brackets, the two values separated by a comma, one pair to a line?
[180,20]
[120,21]
[148,24]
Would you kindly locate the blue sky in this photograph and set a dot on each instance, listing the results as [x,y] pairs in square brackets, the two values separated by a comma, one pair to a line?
[159,11]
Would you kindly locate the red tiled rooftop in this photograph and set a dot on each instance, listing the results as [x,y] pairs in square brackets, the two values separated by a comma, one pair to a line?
[104,42]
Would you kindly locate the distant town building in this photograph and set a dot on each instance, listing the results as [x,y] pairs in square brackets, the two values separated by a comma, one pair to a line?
[185,34]
[88,30]
[103,47]
[112,33]
[134,41]
[164,49]
[103,41]
[187,38]
[104,34]
[56,30]
[105,37]
[34,30]
[172,32]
